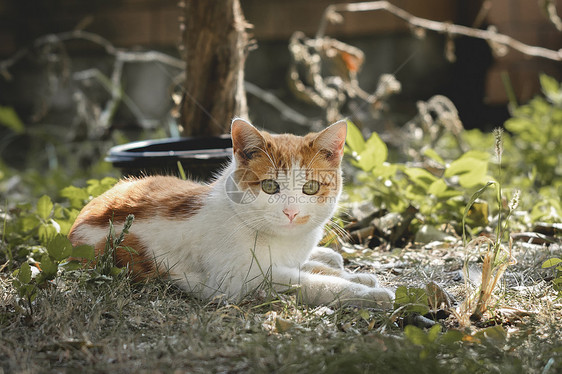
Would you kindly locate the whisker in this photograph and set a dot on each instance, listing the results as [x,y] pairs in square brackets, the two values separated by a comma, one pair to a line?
[340,231]
[332,227]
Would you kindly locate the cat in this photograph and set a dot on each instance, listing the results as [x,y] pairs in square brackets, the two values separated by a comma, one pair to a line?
[257,224]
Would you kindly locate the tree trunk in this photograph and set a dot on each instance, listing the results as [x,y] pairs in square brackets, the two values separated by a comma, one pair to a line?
[216,45]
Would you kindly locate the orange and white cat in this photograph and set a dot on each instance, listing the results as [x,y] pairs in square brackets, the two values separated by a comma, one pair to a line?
[259,221]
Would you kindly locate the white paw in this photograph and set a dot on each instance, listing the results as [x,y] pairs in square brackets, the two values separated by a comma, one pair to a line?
[383,297]
[363,278]
[327,256]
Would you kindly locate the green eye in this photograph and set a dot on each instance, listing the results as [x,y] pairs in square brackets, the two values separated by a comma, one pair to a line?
[311,187]
[269,186]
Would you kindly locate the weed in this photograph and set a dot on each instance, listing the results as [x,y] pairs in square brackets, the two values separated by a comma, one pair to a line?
[531,160]
[105,264]
[35,238]
[496,257]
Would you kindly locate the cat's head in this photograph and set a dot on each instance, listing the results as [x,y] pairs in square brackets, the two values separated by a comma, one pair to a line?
[286,184]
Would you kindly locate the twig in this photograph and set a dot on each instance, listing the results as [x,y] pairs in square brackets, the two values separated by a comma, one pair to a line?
[550,9]
[331,14]
[482,13]
[120,54]
[285,110]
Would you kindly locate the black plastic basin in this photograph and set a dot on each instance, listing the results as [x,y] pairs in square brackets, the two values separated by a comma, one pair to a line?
[201,157]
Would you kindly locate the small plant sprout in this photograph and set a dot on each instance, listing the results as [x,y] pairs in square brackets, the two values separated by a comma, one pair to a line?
[106,263]
[498,135]
[498,149]
[496,257]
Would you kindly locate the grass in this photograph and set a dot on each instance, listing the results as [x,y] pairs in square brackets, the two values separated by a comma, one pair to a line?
[115,326]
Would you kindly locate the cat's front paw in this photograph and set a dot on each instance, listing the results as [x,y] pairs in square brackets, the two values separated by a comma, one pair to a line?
[327,256]
[383,297]
[363,278]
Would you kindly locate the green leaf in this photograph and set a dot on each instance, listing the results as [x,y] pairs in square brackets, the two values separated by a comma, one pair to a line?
[548,84]
[354,139]
[97,187]
[10,119]
[401,296]
[46,233]
[44,207]
[76,196]
[432,154]
[551,89]
[551,262]
[48,266]
[59,247]
[420,177]
[374,154]
[58,211]
[518,125]
[29,222]
[471,168]
[437,187]
[416,335]
[108,182]
[433,332]
[70,217]
[83,251]
[24,273]
[414,300]
[64,225]
[450,337]
[385,170]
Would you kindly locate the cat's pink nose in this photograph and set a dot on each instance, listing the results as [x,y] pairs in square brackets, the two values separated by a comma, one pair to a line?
[291,213]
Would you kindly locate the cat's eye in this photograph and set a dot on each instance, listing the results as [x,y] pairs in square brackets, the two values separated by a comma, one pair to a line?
[311,187]
[269,186]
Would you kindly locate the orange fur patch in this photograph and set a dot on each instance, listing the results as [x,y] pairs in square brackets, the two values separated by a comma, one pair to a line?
[155,196]
[302,220]
[146,198]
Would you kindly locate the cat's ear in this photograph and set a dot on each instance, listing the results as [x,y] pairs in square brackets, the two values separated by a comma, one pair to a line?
[332,140]
[246,139]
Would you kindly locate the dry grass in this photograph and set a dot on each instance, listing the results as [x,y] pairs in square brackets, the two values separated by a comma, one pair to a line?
[118,327]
